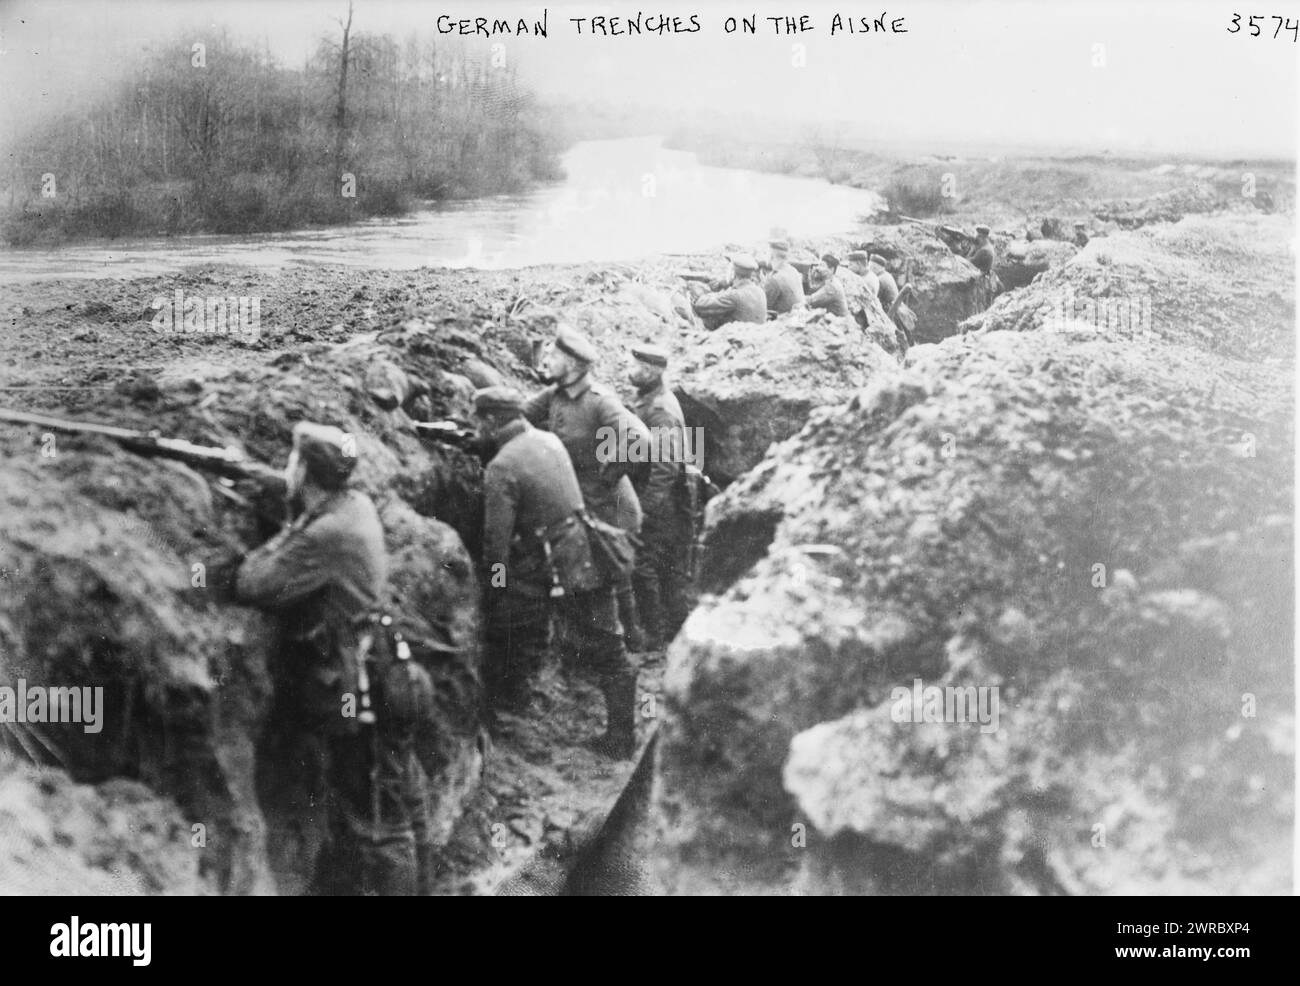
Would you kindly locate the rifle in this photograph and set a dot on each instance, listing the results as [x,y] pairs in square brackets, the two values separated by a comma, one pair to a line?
[229,461]
[707,282]
[457,434]
[940,230]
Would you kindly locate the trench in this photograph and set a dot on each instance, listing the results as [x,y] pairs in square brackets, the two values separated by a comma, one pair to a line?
[202,728]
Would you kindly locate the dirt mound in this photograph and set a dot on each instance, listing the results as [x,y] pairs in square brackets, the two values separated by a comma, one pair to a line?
[748,386]
[1225,285]
[1099,532]
[1163,207]
[615,306]
[59,837]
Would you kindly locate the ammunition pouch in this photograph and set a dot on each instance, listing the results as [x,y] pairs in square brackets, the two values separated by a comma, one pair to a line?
[392,686]
[558,558]
[613,550]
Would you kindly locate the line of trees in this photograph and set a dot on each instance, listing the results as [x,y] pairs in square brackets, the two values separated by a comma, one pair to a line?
[211,135]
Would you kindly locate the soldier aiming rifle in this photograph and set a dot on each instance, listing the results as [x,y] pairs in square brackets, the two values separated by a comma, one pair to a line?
[739,299]
[954,238]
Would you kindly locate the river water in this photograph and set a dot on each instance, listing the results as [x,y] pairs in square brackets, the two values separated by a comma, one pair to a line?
[621,199]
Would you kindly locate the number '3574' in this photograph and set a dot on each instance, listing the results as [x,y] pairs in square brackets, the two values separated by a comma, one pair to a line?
[1292,26]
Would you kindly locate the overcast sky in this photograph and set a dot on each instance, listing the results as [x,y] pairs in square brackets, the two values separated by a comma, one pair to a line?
[1163,76]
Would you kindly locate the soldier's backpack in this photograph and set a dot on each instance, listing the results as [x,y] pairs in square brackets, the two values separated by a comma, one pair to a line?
[349,680]
[392,689]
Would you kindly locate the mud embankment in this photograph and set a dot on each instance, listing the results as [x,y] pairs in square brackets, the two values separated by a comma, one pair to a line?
[1081,531]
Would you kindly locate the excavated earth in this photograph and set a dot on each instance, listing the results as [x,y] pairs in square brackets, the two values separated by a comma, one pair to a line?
[941,520]
[1223,284]
[1092,524]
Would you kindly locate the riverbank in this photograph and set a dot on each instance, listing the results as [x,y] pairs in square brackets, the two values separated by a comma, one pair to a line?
[621,200]
[1007,192]
[263,203]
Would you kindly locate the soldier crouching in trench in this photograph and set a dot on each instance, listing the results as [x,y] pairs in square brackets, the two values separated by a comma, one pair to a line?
[537,560]
[742,300]
[324,575]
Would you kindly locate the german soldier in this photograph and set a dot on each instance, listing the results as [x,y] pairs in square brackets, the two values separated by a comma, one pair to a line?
[537,561]
[828,291]
[597,431]
[324,576]
[784,286]
[888,287]
[662,578]
[981,252]
[740,301]
[860,285]
[983,256]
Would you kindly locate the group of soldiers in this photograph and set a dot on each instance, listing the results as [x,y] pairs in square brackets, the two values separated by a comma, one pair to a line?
[550,482]
[787,284]
[552,469]
[355,711]
[755,293]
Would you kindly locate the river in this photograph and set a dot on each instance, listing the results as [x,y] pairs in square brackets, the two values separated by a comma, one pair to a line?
[621,199]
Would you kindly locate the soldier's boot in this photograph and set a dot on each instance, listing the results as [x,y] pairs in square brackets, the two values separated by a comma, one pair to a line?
[648,601]
[619,740]
[675,591]
[633,635]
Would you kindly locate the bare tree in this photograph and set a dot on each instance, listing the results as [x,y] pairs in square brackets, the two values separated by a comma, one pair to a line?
[341,112]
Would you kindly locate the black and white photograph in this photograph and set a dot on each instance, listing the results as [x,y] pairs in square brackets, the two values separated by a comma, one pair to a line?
[681,449]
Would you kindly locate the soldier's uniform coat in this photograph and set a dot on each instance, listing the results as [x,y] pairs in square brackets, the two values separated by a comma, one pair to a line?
[857,289]
[743,302]
[662,578]
[319,575]
[783,289]
[532,496]
[576,414]
[888,291]
[831,297]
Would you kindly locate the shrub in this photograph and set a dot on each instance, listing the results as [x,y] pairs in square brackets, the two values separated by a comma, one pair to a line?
[915,198]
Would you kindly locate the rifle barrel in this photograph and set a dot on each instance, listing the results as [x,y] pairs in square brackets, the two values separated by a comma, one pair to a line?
[227,461]
[59,424]
[447,432]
